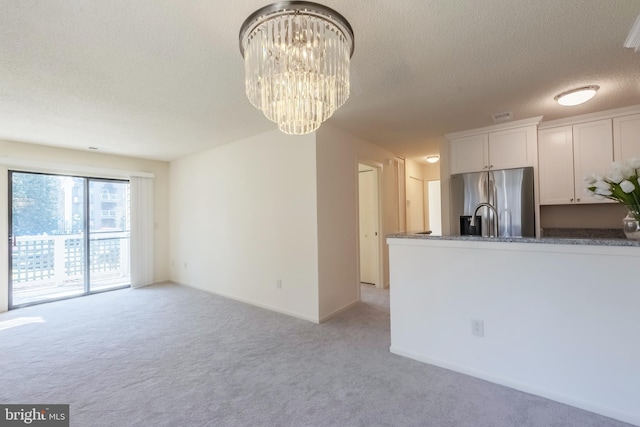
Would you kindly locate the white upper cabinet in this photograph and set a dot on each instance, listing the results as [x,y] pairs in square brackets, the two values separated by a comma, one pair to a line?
[469,154]
[495,147]
[626,137]
[592,153]
[513,148]
[567,154]
[555,166]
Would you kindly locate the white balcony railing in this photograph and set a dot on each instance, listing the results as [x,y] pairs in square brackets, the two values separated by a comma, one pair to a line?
[41,263]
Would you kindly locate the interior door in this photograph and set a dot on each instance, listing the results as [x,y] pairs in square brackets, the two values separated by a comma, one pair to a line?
[415,204]
[369,225]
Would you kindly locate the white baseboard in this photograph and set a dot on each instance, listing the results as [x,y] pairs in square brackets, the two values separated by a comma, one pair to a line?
[340,310]
[257,304]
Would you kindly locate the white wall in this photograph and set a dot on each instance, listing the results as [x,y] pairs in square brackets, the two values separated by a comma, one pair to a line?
[431,171]
[560,321]
[244,215]
[414,169]
[603,215]
[346,152]
[338,260]
[84,163]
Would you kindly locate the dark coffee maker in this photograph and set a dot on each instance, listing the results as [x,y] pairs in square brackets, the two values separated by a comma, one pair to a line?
[465,226]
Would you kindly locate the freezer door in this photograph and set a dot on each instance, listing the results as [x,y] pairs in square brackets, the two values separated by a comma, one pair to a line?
[467,191]
[511,192]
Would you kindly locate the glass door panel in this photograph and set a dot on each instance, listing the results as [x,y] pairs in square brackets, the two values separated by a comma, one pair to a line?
[108,234]
[46,237]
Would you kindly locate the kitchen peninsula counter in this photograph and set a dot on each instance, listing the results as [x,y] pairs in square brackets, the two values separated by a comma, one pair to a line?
[559,316]
[543,240]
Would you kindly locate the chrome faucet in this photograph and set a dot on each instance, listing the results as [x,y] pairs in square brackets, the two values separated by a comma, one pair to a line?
[495,214]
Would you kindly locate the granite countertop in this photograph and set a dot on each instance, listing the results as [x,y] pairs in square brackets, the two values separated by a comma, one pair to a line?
[594,241]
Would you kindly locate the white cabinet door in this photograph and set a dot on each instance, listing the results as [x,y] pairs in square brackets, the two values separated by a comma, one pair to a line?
[626,137]
[470,154]
[513,148]
[555,166]
[593,153]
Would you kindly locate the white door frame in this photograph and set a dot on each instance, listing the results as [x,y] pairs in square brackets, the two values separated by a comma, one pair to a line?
[379,168]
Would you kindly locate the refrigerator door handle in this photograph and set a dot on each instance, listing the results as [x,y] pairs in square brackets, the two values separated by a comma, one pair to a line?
[492,217]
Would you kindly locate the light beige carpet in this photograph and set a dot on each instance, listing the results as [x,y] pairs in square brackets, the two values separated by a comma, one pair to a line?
[169,355]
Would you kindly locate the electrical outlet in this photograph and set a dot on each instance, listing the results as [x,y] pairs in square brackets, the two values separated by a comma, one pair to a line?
[279,284]
[477,327]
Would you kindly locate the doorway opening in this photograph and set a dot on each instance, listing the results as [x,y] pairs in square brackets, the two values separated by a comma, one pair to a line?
[68,236]
[369,225]
[435,207]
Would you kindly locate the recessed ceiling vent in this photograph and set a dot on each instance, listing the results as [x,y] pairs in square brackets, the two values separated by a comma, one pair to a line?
[633,39]
[502,117]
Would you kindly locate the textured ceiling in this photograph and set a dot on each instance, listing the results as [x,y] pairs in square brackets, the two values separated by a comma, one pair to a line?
[164,78]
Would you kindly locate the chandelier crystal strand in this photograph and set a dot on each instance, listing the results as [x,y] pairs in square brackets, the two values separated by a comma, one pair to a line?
[297,63]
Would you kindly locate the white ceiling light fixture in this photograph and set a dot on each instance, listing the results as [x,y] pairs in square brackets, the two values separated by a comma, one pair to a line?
[296,56]
[432,159]
[576,96]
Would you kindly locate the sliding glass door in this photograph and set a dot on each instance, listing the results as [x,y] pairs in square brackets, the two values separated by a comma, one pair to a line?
[69,236]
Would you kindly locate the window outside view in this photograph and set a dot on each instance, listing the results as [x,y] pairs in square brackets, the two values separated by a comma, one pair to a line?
[55,222]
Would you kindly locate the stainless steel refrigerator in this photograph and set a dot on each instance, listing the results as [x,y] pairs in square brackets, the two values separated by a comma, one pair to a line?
[508,191]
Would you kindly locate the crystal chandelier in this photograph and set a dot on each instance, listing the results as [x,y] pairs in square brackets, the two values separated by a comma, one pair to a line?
[296,57]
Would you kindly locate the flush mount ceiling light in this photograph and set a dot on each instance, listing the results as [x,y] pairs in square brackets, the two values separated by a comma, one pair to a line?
[296,58]
[576,96]
[432,159]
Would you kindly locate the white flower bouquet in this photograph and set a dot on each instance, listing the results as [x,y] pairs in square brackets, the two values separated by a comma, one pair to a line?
[622,184]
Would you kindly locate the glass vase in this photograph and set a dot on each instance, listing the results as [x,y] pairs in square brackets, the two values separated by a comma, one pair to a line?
[631,226]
